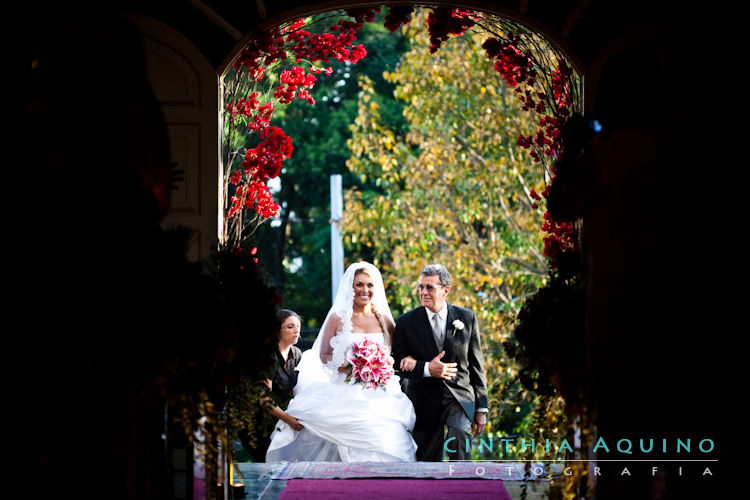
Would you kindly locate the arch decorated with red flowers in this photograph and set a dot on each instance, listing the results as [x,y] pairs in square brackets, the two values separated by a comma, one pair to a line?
[282,59]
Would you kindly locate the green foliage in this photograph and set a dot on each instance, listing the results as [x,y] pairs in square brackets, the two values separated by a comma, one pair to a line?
[214,388]
[294,249]
[452,188]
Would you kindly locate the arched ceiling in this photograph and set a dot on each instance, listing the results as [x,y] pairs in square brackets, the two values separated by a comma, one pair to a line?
[583,27]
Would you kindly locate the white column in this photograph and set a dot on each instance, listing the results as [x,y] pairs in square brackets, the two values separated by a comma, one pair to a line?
[337,247]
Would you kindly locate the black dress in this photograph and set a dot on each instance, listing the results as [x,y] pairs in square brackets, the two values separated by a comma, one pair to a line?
[284,376]
[283,379]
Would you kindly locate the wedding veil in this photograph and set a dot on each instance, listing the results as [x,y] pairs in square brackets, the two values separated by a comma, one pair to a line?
[328,353]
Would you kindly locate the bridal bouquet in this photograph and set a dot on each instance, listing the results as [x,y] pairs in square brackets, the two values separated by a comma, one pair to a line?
[369,364]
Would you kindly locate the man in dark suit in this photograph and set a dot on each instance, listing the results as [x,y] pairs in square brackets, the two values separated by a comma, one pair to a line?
[438,348]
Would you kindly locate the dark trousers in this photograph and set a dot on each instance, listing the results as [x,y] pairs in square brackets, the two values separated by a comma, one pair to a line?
[453,435]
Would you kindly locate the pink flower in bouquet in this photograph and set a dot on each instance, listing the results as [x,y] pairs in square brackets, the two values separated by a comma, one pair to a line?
[370,364]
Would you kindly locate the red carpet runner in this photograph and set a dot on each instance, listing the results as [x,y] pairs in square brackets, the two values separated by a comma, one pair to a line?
[394,489]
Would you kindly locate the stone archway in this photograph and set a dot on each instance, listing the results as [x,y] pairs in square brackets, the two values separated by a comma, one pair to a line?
[519,14]
[286,17]
[633,258]
[186,83]
[606,335]
[683,386]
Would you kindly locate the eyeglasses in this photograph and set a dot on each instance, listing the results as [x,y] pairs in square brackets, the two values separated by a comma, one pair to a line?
[429,288]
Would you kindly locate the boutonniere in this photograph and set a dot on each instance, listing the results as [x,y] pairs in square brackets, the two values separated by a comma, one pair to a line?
[458,326]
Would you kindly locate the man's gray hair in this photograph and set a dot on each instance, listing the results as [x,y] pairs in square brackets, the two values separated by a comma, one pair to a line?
[440,271]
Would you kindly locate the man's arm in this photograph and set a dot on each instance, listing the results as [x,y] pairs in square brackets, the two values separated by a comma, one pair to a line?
[477,378]
[400,351]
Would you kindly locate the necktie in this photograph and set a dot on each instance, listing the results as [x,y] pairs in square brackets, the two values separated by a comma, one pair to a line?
[437,331]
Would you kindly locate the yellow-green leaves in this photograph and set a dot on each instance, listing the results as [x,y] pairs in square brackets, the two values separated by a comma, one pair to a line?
[453,188]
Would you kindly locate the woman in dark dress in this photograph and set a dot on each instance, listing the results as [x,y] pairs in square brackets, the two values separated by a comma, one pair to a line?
[282,380]
[279,381]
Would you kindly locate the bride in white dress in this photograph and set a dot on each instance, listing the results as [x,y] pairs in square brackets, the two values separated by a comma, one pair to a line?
[346,422]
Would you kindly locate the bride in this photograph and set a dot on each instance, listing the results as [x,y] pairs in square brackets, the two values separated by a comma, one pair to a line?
[345,421]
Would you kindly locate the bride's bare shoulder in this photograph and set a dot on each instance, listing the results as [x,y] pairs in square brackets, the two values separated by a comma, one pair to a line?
[389,323]
[333,324]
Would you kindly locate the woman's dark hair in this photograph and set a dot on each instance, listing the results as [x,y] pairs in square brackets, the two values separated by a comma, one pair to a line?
[284,314]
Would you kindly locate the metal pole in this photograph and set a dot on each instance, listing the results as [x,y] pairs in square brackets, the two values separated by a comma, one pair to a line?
[337,247]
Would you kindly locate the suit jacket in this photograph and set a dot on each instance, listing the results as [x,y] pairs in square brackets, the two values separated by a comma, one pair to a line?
[413,336]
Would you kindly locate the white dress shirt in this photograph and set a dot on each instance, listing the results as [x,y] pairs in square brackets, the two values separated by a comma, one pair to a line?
[443,315]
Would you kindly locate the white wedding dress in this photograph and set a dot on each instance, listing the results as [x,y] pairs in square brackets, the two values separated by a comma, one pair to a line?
[344,422]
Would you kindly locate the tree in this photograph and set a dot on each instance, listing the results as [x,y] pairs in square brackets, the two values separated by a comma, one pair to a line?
[294,248]
[454,189]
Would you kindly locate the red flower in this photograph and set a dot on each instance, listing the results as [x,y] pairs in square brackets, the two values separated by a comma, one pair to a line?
[514,66]
[262,118]
[264,160]
[397,15]
[238,200]
[254,196]
[492,46]
[236,177]
[445,21]
[305,96]
[264,48]
[323,47]
[358,52]
[364,14]
[294,26]
[317,70]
